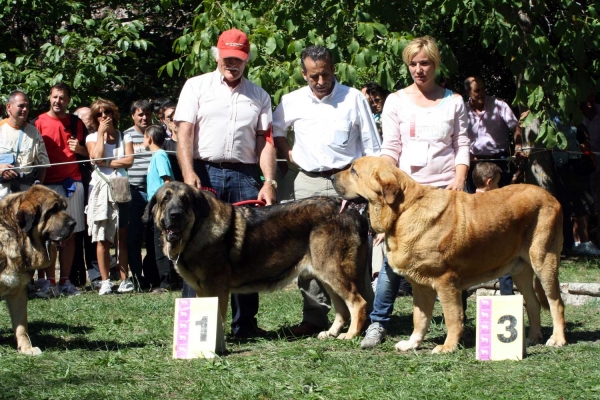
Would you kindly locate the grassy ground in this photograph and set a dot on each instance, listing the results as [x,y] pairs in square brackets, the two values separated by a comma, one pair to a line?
[120,347]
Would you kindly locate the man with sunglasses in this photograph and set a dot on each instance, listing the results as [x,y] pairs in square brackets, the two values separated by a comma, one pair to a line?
[64,136]
[222,121]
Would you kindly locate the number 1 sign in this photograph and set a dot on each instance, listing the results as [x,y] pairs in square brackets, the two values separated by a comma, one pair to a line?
[499,328]
[198,330]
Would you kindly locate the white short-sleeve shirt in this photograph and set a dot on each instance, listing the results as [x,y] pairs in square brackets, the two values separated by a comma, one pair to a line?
[225,121]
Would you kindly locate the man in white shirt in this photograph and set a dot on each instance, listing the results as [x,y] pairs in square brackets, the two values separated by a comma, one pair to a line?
[333,125]
[23,143]
[223,119]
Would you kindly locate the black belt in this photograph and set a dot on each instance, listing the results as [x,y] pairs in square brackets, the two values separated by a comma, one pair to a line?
[227,165]
[504,154]
[326,173]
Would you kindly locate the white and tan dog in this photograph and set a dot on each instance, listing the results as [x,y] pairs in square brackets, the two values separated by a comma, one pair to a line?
[446,241]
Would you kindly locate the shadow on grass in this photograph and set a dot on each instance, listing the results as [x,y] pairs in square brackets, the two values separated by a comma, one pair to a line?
[76,340]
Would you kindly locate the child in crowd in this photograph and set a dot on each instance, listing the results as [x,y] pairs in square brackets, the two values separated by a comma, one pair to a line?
[486,176]
[159,173]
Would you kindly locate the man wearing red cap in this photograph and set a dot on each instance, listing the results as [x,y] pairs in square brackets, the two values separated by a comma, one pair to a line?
[223,119]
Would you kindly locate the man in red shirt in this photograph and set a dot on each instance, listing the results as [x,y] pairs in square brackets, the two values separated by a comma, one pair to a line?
[64,138]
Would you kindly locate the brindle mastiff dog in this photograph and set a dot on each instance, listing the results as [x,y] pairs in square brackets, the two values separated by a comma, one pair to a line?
[447,241]
[218,248]
[30,222]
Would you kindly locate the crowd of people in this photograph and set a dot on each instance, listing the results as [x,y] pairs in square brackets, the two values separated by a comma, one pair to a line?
[223,135]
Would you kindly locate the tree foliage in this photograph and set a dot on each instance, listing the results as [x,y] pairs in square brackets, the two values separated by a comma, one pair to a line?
[542,56]
[101,49]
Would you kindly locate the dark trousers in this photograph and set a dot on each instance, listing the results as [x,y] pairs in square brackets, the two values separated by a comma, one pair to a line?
[85,257]
[161,276]
[238,183]
[135,239]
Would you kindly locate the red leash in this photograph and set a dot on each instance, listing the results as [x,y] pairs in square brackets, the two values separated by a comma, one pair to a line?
[258,203]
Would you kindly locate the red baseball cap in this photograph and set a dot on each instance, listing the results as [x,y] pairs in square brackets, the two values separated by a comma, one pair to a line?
[233,43]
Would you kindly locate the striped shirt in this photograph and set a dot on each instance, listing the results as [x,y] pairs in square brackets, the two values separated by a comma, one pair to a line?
[139,169]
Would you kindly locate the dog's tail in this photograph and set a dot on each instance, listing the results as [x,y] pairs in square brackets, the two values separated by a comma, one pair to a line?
[541,294]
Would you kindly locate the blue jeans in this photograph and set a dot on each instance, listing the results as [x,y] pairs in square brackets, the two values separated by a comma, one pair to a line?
[137,205]
[506,285]
[388,284]
[232,185]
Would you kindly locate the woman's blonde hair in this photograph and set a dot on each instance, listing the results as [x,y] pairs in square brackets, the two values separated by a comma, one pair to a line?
[103,104]
[426,44]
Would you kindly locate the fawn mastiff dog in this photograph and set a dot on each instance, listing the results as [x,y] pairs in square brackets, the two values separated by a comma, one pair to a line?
[220,249]
[30,222]
[446,241]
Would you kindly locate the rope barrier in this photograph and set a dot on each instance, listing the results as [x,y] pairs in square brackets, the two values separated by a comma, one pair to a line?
[512,157]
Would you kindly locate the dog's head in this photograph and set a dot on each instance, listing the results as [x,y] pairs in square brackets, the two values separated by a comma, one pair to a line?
[175,208]
[41,215]
[379,183]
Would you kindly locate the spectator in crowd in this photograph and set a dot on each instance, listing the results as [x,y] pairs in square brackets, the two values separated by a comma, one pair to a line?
[376,96]
[108,221]
[141,114]
[84,114]
[574,173]
[21,145]
[591,120]
[333,126]
[159,173]
[425,135]
[223,119]
[486,177]
[64,137]
[85,250]
[490,122]
[170,144]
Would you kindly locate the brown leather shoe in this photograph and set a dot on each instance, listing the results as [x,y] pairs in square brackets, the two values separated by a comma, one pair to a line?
[306,329]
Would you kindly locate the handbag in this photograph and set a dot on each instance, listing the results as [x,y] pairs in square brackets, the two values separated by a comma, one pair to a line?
[119,185]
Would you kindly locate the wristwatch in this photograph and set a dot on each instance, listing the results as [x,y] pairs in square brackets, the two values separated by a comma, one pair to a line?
[273,182]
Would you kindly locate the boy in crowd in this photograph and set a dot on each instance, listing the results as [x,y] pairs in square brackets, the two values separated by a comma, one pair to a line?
[159,173]
[486,176]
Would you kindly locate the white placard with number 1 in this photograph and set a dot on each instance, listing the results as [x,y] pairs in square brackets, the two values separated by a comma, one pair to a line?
[198,331]
[499,328]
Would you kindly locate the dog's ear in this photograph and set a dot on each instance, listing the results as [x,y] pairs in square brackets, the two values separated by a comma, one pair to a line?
[201,206]
[27,215]
[390,187]
[149,210]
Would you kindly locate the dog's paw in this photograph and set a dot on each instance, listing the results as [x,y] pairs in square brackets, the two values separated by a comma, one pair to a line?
[406,345]
[346,336]
[443,349]
[32,351]
[325,335]
[556,342]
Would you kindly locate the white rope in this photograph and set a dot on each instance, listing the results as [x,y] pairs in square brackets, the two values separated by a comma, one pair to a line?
[92,161]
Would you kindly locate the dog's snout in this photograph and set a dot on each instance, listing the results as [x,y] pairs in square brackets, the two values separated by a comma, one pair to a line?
[71,223]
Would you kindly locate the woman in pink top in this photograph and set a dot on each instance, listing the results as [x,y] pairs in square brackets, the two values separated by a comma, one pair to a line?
[425,135]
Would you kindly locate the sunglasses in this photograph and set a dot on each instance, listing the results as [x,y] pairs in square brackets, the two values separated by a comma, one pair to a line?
[105,112]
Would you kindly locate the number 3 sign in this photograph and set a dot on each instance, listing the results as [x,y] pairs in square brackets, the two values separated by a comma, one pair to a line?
[499,328]
[198,331]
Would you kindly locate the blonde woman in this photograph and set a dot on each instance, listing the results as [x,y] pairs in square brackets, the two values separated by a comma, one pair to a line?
[425,135]
[107,141]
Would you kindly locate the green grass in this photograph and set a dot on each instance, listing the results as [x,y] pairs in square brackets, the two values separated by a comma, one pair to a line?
[120,347]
